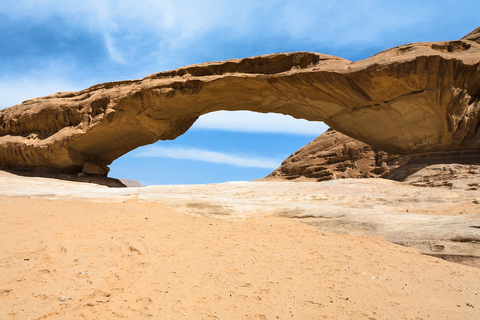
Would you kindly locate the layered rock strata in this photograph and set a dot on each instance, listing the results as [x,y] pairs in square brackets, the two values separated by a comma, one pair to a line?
[333,155]
[416,98]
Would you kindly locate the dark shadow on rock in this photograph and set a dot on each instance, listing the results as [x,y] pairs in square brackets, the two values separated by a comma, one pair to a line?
[96,179]
[418,162]
[468,260]
[403,172]
[459,173]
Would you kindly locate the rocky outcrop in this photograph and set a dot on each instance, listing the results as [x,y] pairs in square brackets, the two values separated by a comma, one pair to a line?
[416,98]
[333,155]
[130,183]
[473,36]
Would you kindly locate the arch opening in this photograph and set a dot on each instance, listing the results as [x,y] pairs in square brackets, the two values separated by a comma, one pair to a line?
[221,146]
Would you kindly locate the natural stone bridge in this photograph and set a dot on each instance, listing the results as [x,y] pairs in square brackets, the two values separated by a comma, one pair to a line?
[416,98]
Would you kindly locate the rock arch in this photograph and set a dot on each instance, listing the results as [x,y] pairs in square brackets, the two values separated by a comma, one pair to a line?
[416,98]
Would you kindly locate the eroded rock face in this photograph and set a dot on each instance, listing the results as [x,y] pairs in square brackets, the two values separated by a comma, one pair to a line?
[333,155]
[415,98]
[473,36]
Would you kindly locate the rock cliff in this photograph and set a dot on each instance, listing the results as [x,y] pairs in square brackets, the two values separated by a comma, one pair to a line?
[416,98]
[333,155]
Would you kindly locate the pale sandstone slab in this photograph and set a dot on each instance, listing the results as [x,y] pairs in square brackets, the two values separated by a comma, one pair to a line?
[438,221]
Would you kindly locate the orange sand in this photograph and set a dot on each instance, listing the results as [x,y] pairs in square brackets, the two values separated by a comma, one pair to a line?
[63,259]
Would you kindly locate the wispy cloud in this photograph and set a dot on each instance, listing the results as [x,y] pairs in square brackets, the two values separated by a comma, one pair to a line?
[113,51]
[172,28]
[148,36]
[186,153]
[254,122]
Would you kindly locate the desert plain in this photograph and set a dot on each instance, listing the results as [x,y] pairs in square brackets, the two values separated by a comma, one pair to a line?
[239,250]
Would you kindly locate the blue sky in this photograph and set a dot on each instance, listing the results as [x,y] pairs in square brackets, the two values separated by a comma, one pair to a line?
[48,46]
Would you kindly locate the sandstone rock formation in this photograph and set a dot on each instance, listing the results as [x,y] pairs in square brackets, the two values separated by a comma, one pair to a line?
[130,183]
[416,98]
[333,155]
[473,36]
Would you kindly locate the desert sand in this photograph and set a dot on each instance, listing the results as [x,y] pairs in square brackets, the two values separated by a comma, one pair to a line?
[77,251]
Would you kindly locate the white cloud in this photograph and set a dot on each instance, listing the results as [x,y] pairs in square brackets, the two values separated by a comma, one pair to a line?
[247,121]
[185,153]
[174,22]
[114,53]
[177,33]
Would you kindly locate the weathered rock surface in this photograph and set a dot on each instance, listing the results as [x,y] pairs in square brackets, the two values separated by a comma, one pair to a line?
[90,167]
[473,36]
[416,98]
[333,155]
[130,183]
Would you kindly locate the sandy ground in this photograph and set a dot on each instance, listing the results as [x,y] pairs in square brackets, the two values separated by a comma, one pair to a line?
[84,259]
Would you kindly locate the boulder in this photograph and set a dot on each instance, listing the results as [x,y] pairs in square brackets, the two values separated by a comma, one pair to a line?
[90,167]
